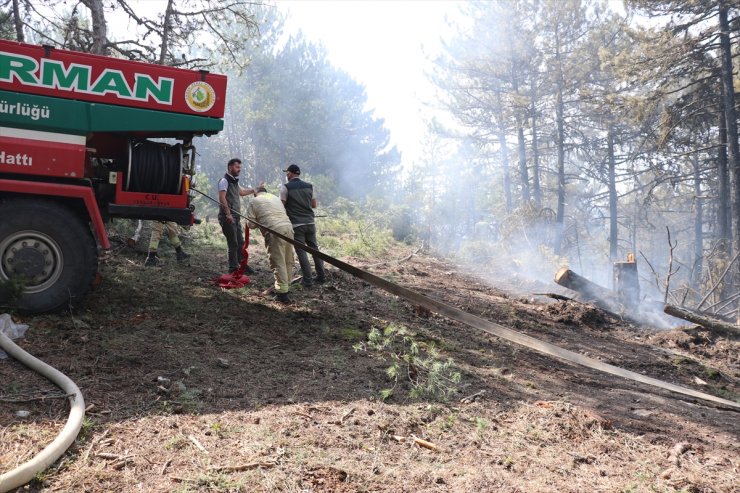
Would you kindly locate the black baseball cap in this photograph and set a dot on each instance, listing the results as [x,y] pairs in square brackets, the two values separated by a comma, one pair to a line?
[293,168]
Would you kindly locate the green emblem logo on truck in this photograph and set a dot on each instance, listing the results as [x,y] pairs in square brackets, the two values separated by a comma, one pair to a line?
[78,78]
[200,96]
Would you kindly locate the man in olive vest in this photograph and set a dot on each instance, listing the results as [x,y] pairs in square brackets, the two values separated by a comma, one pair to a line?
[229,193]
[300,201]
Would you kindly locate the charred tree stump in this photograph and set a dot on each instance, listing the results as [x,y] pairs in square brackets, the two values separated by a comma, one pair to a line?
[627,284]
[707,322]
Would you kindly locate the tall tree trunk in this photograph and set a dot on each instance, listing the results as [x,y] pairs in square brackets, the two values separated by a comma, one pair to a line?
[99,27]
[523,172]
[698,228]
[724,201]
[504,151]
[536,188]
[559,119]
[166,31]
[612,176]
[19,36]
[733,152]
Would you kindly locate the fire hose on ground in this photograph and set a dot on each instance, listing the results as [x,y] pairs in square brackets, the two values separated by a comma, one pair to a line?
[493,328]
[26,471]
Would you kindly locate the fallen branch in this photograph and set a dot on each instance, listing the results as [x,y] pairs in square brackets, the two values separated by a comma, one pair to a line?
[347,415]
[703,320]
[107,456]
[471,398]
[178,479]
[245,467]
[387,262]
[424,443]
[197,444]
[93,444]
[678,450]
[554,296]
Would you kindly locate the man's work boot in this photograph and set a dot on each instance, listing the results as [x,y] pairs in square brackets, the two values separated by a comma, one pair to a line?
[181,255]
[282,298]
[151,260]
[249,270]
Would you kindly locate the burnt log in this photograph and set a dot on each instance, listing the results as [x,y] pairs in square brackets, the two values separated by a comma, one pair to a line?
[589,291]
[599,296]
[710,323]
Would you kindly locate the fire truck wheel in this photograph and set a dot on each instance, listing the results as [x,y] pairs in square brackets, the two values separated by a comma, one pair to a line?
[48,256]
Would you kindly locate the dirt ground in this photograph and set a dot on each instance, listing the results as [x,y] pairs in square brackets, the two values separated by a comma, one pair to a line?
[190,388]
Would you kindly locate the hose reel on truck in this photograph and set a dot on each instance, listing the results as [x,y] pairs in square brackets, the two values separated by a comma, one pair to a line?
[157,167]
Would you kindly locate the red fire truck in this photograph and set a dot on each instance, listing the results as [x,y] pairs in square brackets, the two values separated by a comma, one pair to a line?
[76,149]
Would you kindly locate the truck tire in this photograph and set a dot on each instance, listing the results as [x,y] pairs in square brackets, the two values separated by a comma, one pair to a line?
[49,250]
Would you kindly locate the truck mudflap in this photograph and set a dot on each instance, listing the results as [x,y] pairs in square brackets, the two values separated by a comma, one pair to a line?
[86,194]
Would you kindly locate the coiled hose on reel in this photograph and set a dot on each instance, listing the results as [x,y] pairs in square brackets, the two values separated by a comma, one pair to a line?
[155,167]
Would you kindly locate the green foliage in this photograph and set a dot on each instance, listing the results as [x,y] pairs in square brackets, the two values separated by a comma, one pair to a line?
[203,206]
[402,225]
[351,229]
[481,424]
[430,375]
[11,291]
[351,334]
[293,106]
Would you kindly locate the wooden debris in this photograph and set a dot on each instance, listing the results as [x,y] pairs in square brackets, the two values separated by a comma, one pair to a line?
[424,443]
[305,415]
[245,467]
[107,456]
[122,463]
[678,450]
[472,398]
[398,438]
[601,297]
[178,479]
[703,320]
[347,415]
[197,444]
[92,445]
[589,290]
[554,296]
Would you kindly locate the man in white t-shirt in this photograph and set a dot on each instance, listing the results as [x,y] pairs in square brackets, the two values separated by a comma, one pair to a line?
[229,194]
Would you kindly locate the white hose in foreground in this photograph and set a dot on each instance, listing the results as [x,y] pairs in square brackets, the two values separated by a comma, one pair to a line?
[26,471]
